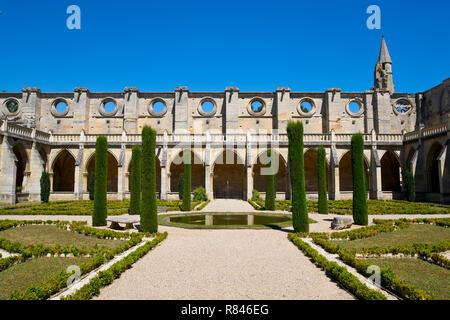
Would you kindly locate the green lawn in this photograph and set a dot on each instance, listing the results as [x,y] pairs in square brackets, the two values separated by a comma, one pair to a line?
[415,233]
[432,279]
[374,207]
[33,272]
[49,235]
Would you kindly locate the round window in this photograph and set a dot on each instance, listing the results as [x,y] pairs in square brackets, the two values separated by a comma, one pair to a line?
[207,107]
[402,106]
[157,107]
[306,107]
[354,108]
[257,107]
[108,107]
[61,107]
[12,106]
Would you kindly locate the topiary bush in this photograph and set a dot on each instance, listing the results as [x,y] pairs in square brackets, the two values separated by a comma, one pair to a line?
[256,196]
[186,206]
[101,176]
[180,186]
[360,215]
[410,186]
[135,180]
[270,184]
[322,180]
[45,187]
[91,185]
[300,220]
[200,194]
[149,218]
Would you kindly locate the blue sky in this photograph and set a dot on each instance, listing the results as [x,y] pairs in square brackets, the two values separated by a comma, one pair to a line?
[209,45]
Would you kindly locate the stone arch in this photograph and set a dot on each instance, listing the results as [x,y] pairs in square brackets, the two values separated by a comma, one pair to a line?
[63,169]
[311,177]
[409,158]
[229,176]
[158,175]
[432,168]
[21,164]
[112,175]
[345,172]
[390,172]
[197,171]
[281,178]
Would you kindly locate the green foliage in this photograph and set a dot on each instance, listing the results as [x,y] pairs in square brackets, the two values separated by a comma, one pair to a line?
[180,186]
[187,181]
[91,186]
[200,207]
[135,185]
[360,215]
[410,186]
[45,187]
[149,218]
[200,194]
[101,176]
[322,179]
[270,184]
[256,196]
[300,219]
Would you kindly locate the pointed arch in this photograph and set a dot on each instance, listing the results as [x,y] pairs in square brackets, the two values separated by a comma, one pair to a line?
[197,171]
[21,164]
[345,172]
[113,169]
[63,169]
[390,172]
[432,168]
[229,177]
[281,178]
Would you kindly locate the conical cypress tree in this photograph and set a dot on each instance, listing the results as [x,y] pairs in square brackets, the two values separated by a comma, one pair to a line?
[300,220]
[186,181]
[322,180]
[91,186]
[180,186]
[45,187]
[149,217]
[101,176]
[360,215]
[410,186]
[135,180]
[270,183]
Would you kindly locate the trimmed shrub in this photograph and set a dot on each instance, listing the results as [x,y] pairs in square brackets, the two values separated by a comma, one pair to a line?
[187,181]
[410,186]
[180,186]
[135,182]
[101,176]
[91,186]
[149,218]
[360,215]
[300,220]
[270,184]
[256,196]
[322,180]
[45,186]
[200,194]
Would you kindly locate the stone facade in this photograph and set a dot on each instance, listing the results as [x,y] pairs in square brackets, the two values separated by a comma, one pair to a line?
[228,133]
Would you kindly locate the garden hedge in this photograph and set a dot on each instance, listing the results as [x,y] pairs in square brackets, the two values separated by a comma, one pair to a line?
[45,187]
[300,219]
[187,181]
[270,184]
[135,180]
[101,175]
[322,180]
[360,215]
[149,218]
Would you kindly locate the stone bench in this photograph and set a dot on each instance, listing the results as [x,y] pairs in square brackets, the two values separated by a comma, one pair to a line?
[340,223]
[128,221]
[162,209]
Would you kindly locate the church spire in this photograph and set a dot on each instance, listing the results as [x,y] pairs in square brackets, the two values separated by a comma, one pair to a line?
[383,70]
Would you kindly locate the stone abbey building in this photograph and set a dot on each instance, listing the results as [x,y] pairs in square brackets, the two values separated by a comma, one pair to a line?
[228,134]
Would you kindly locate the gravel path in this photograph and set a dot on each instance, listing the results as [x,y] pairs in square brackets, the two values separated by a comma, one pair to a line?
[224,264]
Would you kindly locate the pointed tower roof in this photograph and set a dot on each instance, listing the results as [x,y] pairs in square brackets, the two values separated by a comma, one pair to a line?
[384,56]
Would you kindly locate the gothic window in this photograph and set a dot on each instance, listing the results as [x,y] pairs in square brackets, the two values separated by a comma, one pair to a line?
[402,106]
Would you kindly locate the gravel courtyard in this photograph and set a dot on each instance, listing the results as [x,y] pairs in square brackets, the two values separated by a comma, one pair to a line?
[224,264]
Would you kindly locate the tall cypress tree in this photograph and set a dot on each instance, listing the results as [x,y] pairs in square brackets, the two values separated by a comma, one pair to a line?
[91,186]
[101,176]
[270,183]
[187,181]
[45,187]
[135,180]
[360,215]
[322,180]
[300,220]
[410,186]
[149,217]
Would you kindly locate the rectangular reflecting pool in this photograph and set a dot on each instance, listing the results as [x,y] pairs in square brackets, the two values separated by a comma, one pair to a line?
[229,219]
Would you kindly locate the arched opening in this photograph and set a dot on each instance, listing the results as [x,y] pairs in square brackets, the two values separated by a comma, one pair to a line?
[229,180]
[21,165]
[390,172]
[311,175]
[433,168]
[409,158]
[158,175]
[345,173]
[259,180]
[197,172]
[112,175]
[64,172]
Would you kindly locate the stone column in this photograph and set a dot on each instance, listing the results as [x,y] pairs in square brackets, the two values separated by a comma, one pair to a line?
[122,169]
[164,177]
[207,162]
[78,187]
[8,171]
[335,193]
[376,192]
[248,165]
